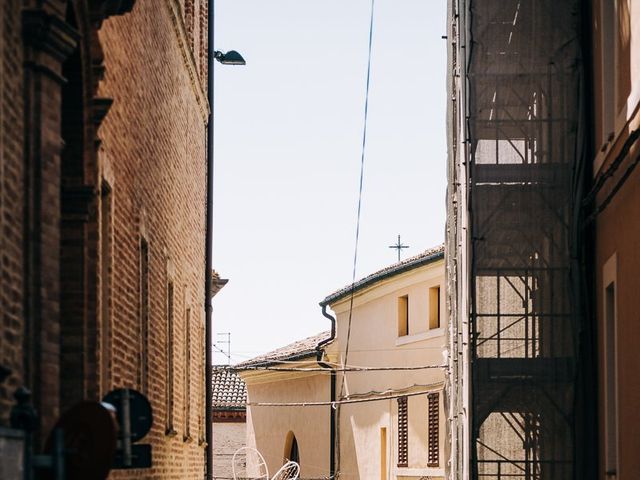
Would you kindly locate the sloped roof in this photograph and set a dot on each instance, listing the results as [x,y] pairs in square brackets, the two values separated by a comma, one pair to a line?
[424,258]
[229,390]
[294,351]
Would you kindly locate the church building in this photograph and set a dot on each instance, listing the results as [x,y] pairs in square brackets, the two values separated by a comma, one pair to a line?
[365,400]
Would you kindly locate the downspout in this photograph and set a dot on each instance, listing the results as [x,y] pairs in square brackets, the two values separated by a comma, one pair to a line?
[208,253]
[332,413]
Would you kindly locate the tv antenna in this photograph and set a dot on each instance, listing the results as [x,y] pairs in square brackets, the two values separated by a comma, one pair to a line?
[228,343]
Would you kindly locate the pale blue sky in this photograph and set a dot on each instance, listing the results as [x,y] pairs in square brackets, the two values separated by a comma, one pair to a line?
[287,155]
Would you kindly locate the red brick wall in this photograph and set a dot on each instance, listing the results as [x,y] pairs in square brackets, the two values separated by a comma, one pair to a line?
[153,157]
[11,200]
[152,162]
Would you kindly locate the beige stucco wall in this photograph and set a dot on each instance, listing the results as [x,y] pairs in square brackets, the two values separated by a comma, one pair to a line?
[617,232]
[268,427]
[228,437]
[374,341]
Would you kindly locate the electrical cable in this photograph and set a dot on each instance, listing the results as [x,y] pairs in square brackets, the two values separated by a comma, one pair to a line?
[398,349]
[362,158]
[338,402]
[355,250]
[392,391]
[222,351]
[324,370]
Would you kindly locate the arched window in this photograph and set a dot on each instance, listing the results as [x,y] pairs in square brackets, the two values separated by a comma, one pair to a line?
[291,452]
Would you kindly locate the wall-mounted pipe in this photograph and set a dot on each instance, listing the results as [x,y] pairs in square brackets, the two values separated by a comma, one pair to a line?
[332,413]
[208,273]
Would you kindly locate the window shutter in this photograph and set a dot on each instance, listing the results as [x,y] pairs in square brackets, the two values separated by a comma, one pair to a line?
[403,432]
[434,430]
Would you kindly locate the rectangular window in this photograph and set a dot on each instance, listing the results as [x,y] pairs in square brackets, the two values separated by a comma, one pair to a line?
[187,374]
[403,432]
[403,316]
[143,379]
[611,374]
[383,453]
[434,307]
[106,241]
[609,50]
[433,459]
[201,374]
[170,366]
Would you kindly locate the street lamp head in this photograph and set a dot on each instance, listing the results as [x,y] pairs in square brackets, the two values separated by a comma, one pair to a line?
[230,58]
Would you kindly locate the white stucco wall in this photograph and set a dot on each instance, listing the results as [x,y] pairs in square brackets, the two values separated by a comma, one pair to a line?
[374,341]
[268,427]
[228,437]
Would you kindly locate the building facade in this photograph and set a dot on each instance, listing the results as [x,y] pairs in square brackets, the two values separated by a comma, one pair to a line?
[385,423]
[103,118]
[394,429]
[290,431]
[541,238]
[614,210]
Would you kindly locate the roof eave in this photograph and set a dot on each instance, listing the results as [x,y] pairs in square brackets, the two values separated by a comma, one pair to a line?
[383,275]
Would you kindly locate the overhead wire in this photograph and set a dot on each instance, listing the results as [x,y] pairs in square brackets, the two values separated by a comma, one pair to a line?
[397,349]
[324,370]
[355,249]
[361,184]
[339,402]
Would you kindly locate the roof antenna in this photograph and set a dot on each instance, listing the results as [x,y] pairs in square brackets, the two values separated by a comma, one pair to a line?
[228,342]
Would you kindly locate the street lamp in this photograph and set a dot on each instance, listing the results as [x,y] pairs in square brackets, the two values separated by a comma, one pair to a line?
[230,58]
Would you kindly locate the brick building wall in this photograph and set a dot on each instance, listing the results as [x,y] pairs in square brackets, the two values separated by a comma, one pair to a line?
[102,212]
[11,200]
[152,158]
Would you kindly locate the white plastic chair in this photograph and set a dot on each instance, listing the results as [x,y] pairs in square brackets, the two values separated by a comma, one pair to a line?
[289,471]
[249,456]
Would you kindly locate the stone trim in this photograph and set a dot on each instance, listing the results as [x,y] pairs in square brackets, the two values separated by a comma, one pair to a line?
[188,58]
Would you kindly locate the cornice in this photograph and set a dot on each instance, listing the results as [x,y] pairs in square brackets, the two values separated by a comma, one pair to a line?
[188,59]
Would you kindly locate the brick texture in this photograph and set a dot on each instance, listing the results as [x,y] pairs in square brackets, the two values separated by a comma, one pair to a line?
[154,138]
[113,152]
[11,203]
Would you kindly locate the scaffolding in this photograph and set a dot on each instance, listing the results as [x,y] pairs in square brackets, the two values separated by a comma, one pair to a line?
[522,118]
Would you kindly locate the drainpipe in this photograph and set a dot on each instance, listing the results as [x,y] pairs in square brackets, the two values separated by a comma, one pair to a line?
[332,414]
[208,290]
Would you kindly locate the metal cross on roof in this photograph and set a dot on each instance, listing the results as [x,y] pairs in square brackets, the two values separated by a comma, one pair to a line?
[399,246]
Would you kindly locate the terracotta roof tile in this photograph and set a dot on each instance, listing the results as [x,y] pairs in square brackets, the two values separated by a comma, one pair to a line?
[229,390]
[294,351]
